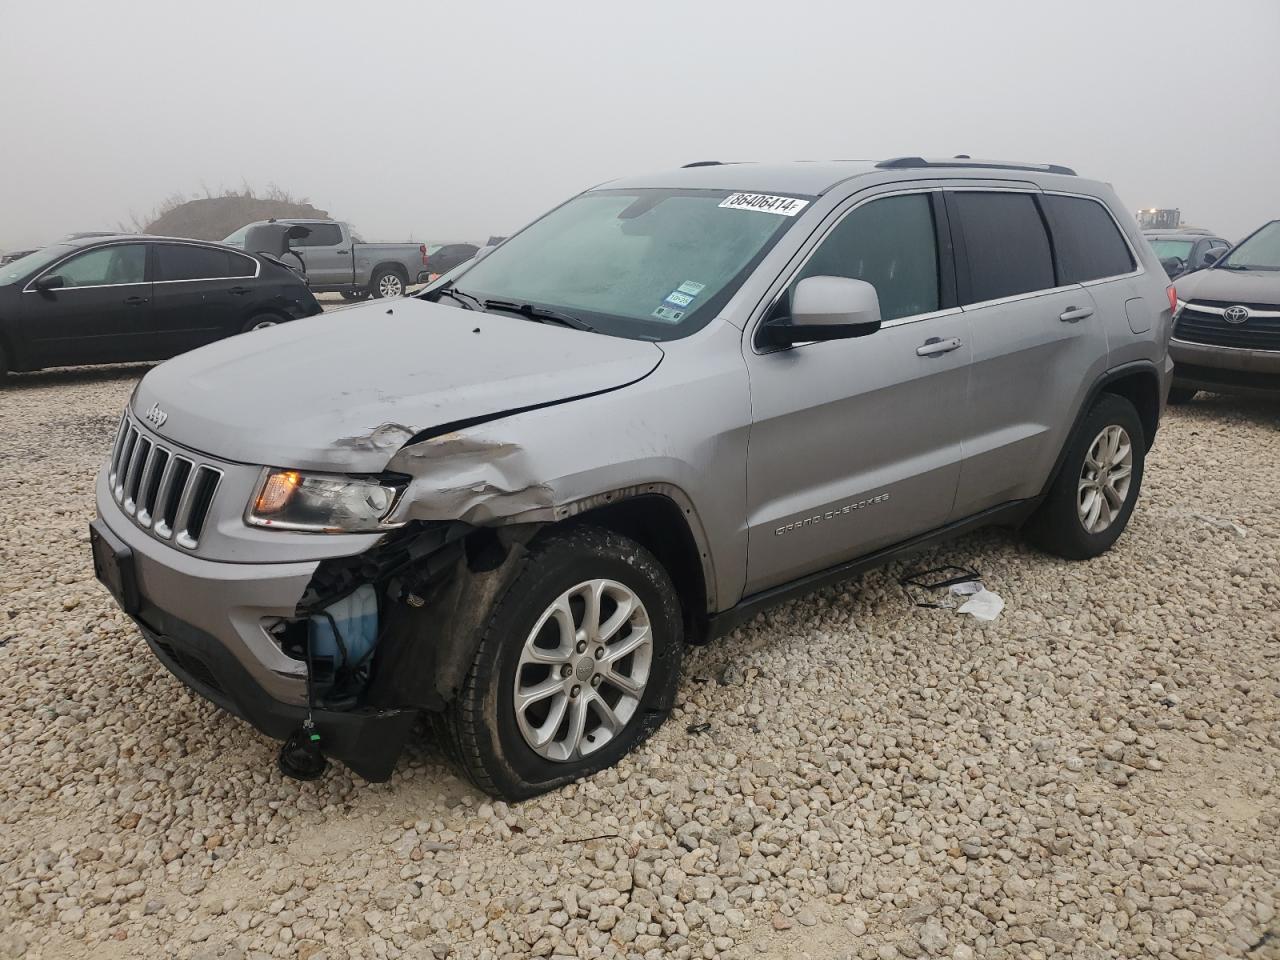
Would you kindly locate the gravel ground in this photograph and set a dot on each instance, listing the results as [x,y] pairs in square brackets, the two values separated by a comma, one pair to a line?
[1093,774]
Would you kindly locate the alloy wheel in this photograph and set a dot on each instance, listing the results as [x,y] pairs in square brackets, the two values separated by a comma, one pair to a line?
[1104,479]
[390,285]
[583,670]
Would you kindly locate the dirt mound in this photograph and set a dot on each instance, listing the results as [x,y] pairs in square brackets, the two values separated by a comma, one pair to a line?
[212,218]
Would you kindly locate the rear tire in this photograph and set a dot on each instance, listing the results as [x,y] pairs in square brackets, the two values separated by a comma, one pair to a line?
[387,282]
[354,294]
[1093,496]
[589,707]
[261,322]
[1180,395]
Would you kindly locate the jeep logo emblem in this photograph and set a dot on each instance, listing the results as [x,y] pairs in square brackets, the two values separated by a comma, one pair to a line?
[1236,314]
[156,416]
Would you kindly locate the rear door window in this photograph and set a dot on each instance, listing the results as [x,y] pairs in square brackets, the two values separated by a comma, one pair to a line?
[892,245]
[1005,243]
[184,261]
[1086,240]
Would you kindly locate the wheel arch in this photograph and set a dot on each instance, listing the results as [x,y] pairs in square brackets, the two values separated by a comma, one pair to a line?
[392,266]
[662,520]
[1137,382]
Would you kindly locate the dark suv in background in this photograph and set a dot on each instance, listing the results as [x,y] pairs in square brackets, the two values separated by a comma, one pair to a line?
[1226,334]
[1185,249]
[123,298]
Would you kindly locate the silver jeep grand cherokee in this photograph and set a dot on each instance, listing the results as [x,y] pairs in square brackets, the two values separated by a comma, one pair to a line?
[509,502]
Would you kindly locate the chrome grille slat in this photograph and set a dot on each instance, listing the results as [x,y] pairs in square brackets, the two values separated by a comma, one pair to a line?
[126,457]
[158,461]
[165,492]
[184,506]
[116,449]
[133,479]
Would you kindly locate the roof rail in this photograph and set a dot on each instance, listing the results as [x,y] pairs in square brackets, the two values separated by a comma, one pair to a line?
[909,163]
[703,163]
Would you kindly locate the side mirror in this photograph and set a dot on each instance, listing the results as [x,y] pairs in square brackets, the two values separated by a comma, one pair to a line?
[1173,266]
[827,308]
[1211,257]
[50,281]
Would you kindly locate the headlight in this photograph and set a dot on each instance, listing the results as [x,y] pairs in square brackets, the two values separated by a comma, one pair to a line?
[291,500]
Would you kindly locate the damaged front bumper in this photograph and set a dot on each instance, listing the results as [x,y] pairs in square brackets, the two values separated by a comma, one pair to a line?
[367,740]
[207,622]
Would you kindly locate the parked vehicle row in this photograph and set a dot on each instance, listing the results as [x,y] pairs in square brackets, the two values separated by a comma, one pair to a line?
[338,261]
[663,406]
[109,299]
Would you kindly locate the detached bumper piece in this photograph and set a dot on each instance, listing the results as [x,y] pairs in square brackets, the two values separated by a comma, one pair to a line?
[367,740]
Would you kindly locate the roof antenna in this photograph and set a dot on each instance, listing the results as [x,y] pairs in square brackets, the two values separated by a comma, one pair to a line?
[962,156]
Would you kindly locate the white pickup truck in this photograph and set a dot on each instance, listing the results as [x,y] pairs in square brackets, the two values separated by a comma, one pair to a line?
[336,260]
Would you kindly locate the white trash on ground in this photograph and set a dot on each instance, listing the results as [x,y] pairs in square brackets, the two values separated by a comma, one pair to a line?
[982,604]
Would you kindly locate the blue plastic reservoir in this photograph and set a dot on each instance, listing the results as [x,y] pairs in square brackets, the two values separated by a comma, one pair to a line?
[356,617]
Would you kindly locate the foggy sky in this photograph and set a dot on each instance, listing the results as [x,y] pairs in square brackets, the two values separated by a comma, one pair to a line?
[459,120]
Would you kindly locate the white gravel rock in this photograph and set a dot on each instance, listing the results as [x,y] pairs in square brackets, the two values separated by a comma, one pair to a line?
[1094,774]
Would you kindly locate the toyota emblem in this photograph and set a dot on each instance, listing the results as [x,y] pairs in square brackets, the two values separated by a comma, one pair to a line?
[1236,314]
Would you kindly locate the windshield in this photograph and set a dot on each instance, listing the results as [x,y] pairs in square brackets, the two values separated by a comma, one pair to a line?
[1259,252]
[1172,248]
[24,266]
[650,264]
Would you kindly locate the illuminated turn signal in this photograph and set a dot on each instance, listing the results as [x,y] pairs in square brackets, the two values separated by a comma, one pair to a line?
[277,491]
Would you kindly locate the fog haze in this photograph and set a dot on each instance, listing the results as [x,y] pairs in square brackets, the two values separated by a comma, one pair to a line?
[457,121]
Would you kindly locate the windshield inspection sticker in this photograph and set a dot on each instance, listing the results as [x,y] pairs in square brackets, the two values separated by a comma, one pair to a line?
[784,206]
[678,299]
[691,287]
[669,315]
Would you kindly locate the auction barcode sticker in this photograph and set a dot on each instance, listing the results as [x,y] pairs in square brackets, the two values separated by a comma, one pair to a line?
[785,206]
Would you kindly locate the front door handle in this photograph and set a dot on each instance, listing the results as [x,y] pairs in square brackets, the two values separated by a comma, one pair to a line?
[936,346]
[1076,314]
[239,291]
[340,251]
[135,301]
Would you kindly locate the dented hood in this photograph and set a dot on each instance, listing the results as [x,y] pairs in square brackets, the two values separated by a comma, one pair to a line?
[345,390]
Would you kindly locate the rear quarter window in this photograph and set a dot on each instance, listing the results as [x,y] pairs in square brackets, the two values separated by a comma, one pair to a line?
[1005,243]
[322,235]
[1086,240]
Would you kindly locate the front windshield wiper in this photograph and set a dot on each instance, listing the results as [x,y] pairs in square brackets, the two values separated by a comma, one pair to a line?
[467,300]
[1231,266]
[534,312]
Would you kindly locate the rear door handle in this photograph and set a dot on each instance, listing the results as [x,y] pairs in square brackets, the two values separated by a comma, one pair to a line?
[936,346]
[340,251]
[1076,314]
[135,301]
[239,291]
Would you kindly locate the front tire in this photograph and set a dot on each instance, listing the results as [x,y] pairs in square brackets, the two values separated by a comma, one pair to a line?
[1092,498]
[261,322]
[577,665]
[387,282]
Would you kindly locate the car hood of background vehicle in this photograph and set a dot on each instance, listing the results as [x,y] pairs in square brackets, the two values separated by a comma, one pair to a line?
[1233,286]
[344,391]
